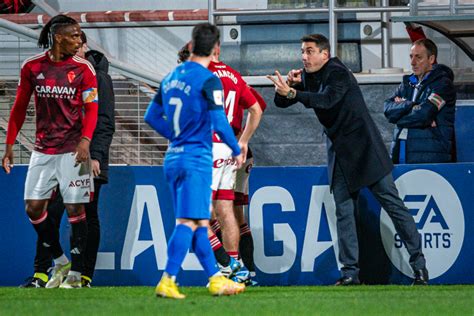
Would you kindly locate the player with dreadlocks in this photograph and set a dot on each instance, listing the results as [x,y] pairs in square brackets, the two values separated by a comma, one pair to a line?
[65,87]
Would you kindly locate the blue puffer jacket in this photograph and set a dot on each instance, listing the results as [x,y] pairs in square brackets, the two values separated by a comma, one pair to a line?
[430,131]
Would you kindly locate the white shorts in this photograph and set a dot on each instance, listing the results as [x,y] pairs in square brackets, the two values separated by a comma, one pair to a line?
[242,183]
[223,172]
[46,172]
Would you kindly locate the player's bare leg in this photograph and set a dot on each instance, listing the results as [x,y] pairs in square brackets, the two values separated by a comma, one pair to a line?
[246,249]
[230,229]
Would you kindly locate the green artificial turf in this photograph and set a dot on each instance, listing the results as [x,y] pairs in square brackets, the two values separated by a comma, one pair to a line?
[294,300]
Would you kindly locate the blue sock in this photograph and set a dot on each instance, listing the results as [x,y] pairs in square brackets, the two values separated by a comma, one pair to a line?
[202,249]
[178,247]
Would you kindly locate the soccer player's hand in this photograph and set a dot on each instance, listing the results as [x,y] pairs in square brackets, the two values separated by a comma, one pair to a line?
[294,77]
[7,161]
[281,87]
[95,167]
[239,160]
[244,147]
[82,150]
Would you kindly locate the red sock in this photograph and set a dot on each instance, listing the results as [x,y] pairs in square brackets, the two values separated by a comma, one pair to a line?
[215,242]
[215,226]
[233,254]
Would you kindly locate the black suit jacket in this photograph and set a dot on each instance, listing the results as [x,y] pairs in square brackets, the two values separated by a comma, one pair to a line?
[334,95]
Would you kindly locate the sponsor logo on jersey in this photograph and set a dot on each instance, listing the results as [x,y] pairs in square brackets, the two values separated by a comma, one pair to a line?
[71,76]
[439,218]
[248,168]
[90,95]
[219,163]
[57,92]
[40,76]
[226,74]
[218,97]
[81,183]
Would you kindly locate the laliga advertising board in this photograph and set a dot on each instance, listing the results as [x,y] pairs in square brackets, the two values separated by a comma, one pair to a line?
[439,215]
[293,222]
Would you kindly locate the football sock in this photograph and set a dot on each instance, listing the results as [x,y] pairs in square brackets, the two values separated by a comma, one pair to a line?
[246,247]
[61,260]
[233,254]
[216,228]
[219,252]
[48,234]
[78,241]
[203,251]
[93,235]
[178,247]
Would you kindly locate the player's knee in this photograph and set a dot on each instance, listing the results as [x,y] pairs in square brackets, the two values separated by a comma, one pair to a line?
[75,209]
[187,222]
[34,209]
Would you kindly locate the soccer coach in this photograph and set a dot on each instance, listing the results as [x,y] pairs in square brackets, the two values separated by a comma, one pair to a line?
[357,156]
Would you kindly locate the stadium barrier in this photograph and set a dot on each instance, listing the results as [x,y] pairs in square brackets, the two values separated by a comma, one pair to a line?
[292,217]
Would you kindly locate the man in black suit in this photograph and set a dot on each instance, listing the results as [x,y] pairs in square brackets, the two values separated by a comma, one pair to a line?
[357,156]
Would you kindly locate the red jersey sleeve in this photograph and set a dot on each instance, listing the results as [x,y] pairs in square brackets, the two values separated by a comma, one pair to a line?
[90,101]
[18,113]
[260,100]
[247,99]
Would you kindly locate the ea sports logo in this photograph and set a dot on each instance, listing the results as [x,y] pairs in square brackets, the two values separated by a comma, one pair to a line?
[439,218]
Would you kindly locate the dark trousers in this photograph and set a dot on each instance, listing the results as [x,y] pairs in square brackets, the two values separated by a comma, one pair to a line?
[43,258]
[386,194]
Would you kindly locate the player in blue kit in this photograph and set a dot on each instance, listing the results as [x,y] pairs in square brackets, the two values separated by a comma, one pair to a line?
[186,109]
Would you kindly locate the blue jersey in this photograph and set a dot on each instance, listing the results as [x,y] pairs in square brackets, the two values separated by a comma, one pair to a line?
[186,109]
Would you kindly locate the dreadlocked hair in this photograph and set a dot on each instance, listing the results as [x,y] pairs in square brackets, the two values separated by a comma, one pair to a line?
[47,33]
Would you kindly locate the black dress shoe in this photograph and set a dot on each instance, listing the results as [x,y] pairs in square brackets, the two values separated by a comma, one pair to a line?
[421,277]
[347,280]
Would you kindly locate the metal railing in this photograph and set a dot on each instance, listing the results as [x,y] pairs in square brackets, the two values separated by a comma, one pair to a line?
[134,143]
[332,10]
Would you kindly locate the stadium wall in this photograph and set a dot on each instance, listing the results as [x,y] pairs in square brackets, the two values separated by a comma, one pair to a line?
[292,217]
[294,137]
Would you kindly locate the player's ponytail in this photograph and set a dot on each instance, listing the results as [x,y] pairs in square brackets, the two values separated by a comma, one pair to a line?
[47,33]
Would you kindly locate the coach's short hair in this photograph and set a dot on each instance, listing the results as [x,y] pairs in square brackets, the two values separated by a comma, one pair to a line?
[430,46]
[321,41]
[205,37]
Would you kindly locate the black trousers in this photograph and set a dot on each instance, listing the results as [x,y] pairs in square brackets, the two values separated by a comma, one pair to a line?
[43,258]
[386,194]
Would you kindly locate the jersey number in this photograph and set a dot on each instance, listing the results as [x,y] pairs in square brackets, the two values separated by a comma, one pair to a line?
[229,105]
[177,112]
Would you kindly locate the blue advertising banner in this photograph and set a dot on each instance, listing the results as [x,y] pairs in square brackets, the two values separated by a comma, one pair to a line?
[293,223]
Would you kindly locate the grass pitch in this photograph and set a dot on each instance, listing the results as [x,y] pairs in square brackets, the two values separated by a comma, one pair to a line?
[294,300]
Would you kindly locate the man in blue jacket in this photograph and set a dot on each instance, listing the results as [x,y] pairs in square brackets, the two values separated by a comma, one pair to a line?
[423,110]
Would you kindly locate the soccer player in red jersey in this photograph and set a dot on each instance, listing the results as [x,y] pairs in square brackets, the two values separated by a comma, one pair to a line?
[247,274]
[238,97]
[65,87]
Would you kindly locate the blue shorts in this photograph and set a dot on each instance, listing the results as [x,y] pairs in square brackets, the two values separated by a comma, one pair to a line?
[190,190]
